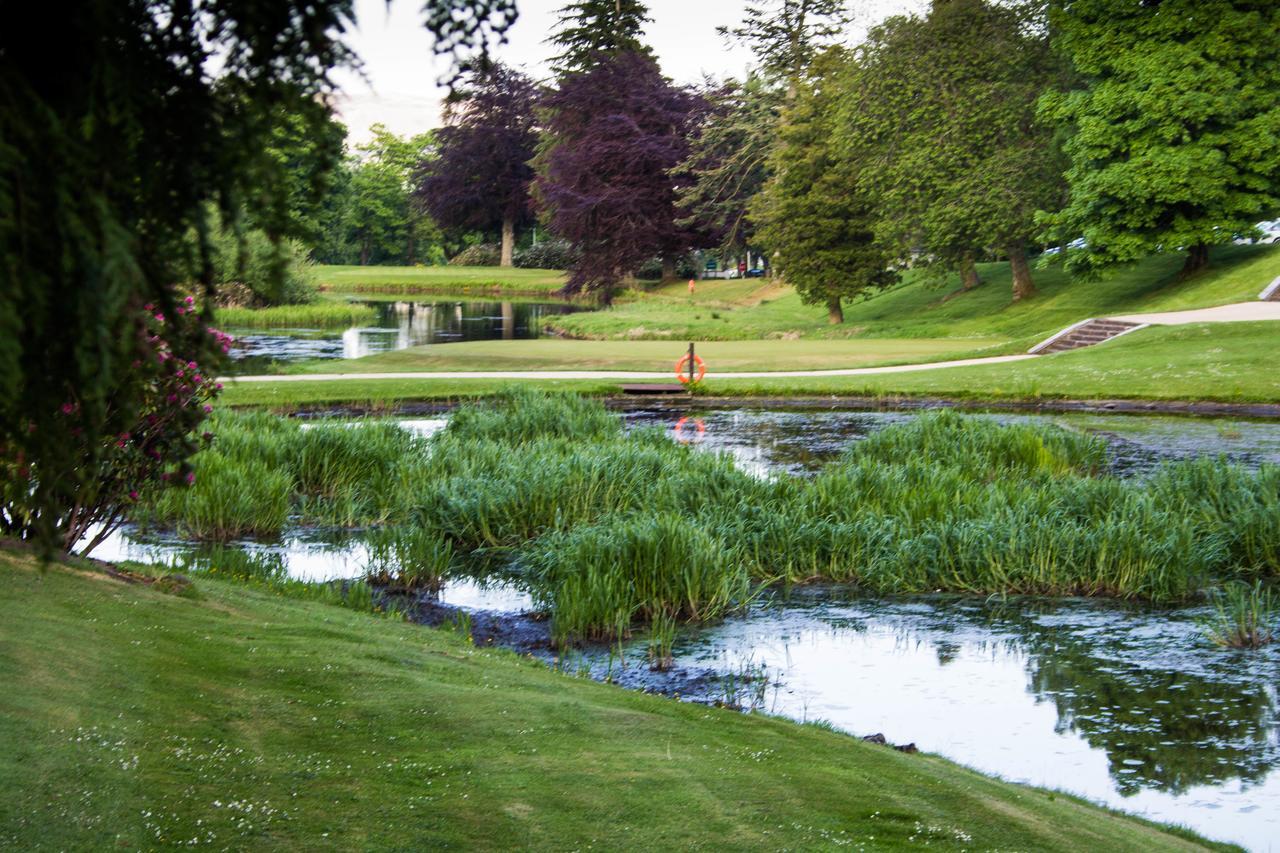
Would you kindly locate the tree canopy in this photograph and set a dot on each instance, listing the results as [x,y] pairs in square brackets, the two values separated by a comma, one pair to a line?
[590,31]
[1174,127]
[944,107]
[814,212]
[479,175]
[617,131]
[121,123]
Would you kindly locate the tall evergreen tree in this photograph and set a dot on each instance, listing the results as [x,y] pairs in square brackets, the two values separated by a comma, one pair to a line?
[785,35]
[1175,128]
[590,31]
[945,107]
[605,184]
[478,179]
[814,212]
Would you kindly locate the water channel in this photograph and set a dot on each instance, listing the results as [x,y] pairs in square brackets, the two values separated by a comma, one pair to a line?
[1124,704]
[398,325]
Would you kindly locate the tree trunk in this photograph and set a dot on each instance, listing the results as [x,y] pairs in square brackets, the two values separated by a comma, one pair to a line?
[1197,259]
[364,252]
[508,242]
[668,268]
[835,314]
[1023,287]
[969,273]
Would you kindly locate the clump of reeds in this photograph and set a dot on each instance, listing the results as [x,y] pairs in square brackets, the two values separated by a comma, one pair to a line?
[600,579]
[316,315]
[403,559]
[1245,617]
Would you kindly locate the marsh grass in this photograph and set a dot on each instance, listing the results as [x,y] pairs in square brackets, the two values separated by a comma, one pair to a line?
[617,530]
[316,315]
[1245,617]
[403,559]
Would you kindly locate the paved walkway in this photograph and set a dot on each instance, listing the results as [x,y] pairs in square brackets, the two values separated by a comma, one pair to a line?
[1239,312]
[623,374]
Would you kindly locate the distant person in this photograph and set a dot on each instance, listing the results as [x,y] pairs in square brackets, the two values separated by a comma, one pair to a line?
[742,269]
[691,287]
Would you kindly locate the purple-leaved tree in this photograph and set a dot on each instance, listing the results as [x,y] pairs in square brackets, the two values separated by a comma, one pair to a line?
[479,178]
[614,134]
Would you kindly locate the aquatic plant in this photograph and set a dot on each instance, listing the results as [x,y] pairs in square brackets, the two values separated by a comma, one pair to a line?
[316,315]
[1245,617]
[408,558]
[599,579]
[618,530]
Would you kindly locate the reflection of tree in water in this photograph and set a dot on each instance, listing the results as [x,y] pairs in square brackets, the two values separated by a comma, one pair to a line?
[1161,728]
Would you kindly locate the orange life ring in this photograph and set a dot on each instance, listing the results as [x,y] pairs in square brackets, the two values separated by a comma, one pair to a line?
[683,375]
[698,425]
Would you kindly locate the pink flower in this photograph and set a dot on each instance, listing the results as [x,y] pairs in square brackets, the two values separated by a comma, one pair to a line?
[217,386]
[207,408]
[159,316]
[133,495]
[68,408]
[191,300]
[191,478]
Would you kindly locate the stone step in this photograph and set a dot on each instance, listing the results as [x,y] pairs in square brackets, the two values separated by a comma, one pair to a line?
[1089,334]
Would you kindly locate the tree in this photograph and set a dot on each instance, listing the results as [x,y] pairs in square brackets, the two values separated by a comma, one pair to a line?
[121,123]
[785,35]
[945,108]
[1174,127]
[728,162]
[590,31]
[615,134]
[479,177]
[814,213]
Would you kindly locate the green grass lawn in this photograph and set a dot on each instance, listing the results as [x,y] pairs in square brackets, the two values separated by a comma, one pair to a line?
[446,279]
[752,309]
[1225,362]
[133,719]
[560,354]
[1229,362]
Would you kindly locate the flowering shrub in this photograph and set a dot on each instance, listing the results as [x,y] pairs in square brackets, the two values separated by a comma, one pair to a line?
[154,429]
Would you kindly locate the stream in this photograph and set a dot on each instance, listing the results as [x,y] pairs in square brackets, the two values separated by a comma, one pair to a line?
[1126,705]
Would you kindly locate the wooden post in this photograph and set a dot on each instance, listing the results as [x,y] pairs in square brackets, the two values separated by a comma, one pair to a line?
[691,357]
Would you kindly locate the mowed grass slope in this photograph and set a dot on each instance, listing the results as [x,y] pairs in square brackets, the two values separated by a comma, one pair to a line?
[446,279]
[561,354]
[738,310]
[1224,362]
[135,719]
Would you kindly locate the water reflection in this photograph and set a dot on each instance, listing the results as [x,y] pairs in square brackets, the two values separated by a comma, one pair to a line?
[399,325]
[1124,705]
[800,441]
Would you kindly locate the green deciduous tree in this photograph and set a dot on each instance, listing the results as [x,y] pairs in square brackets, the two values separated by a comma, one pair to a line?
[785,35]
[814,212]
[944,106]
[121,123]
[1174,129]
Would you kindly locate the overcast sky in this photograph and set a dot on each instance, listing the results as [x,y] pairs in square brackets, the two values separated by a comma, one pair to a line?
[401,91]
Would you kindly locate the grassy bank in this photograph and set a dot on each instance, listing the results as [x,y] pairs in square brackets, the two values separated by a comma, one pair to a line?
[317,315]
[493,281]
[235,719]
[754,309]
[559,354]
[616,531]
[1223,362]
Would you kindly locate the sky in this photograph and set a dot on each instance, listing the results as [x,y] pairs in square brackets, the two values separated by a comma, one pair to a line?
[399,85]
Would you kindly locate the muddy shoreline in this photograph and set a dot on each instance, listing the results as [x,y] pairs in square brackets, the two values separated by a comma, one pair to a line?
[1257,411]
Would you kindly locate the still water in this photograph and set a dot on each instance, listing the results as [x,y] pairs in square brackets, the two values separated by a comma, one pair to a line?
[399,325]
[1125,705]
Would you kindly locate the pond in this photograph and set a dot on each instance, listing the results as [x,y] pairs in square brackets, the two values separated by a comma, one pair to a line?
[1125,705]
[398,325]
